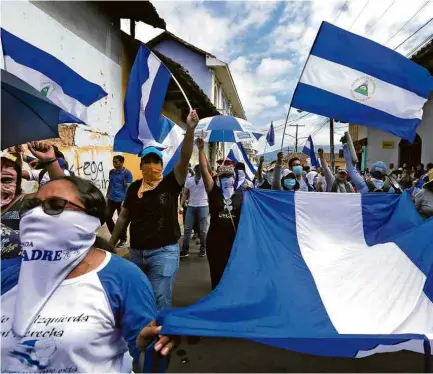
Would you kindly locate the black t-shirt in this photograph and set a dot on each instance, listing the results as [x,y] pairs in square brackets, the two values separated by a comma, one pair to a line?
[154,220]
[221,226]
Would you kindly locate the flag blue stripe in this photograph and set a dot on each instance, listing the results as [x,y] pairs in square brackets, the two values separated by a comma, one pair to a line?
[395,215]
[345,48]
[73,84]
[161,131]
[334,106]
[138,75]
[156,101]
[124,142]
[301,309]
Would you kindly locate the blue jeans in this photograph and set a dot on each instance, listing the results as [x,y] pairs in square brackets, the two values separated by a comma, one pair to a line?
[202,214]
[161,266]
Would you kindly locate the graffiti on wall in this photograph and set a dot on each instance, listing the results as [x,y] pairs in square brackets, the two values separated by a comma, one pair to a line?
[94,170]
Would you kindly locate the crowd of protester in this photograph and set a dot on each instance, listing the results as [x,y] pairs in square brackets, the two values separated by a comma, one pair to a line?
[59,223]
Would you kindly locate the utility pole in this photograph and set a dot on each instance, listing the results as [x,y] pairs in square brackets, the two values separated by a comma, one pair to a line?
[331,143]
[297,125]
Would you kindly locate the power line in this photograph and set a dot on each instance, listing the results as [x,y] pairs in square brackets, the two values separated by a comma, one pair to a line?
[341,11]
[362,11]
[420,45]
[410,19]
[377,21]
[410,36]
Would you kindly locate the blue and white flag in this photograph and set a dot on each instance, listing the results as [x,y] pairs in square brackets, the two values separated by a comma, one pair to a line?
[324,274]
[354,79]
[57,81]
[309,150]
[144,98]
[270,137]
[238,154]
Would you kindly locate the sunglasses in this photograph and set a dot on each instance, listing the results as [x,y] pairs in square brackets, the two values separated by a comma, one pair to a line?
[52,206]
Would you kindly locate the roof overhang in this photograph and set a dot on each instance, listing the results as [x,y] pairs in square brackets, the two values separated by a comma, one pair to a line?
[142,11]
[224,76]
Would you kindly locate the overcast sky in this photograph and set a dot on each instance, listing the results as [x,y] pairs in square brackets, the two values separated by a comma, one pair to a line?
[266,43]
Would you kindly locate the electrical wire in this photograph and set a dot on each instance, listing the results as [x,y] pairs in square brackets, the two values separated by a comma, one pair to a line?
[341,11]
[356,19]
[405,24]
[420,45]
[410,36]
[377,21]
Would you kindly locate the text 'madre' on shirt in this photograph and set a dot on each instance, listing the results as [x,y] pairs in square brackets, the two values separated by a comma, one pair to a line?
[87,325]
[154,217]
[197,192]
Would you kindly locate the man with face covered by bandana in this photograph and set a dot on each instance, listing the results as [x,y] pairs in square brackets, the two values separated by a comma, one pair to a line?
[151,206]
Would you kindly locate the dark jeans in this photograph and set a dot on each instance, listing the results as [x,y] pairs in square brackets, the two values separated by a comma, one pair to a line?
[200,215]
[113,206]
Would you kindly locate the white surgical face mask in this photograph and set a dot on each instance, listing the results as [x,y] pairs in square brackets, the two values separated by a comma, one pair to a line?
[227,186]
[53,247]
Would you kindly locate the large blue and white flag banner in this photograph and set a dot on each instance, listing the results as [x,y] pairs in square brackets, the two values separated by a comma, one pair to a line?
[270,137]
[309,150]
[144,98]
[344,275]
[354,79]
[238,154]
[57,81]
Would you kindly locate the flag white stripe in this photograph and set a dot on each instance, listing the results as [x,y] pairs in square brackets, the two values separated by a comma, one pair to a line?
[365,290]
[144,133]
[172,141]
[342,80]
[39,81]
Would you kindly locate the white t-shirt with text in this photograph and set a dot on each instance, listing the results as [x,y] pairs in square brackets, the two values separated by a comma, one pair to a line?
[87,325]
[197,192]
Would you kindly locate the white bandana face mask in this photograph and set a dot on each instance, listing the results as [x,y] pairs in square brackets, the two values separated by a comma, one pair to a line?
[227,187]
[53,247]
[241,178]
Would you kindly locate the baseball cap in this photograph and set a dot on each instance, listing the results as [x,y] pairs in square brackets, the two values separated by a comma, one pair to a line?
[149,150]
[380,168]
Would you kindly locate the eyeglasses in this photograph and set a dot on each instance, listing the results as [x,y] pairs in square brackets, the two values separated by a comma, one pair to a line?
[52,206]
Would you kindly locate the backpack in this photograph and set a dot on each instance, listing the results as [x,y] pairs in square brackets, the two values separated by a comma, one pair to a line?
[372,188]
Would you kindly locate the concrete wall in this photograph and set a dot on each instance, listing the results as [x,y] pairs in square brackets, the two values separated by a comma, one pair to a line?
[83,39]
[425,131]
[191,61]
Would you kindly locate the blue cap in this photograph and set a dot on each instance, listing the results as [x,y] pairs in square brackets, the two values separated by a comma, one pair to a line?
[149,150]
[379,167]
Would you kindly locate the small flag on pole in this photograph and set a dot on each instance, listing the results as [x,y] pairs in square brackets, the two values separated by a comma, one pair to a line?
[238,154]
[360,81]
[270,137]
[57,81]
[309,150]
[147,86]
